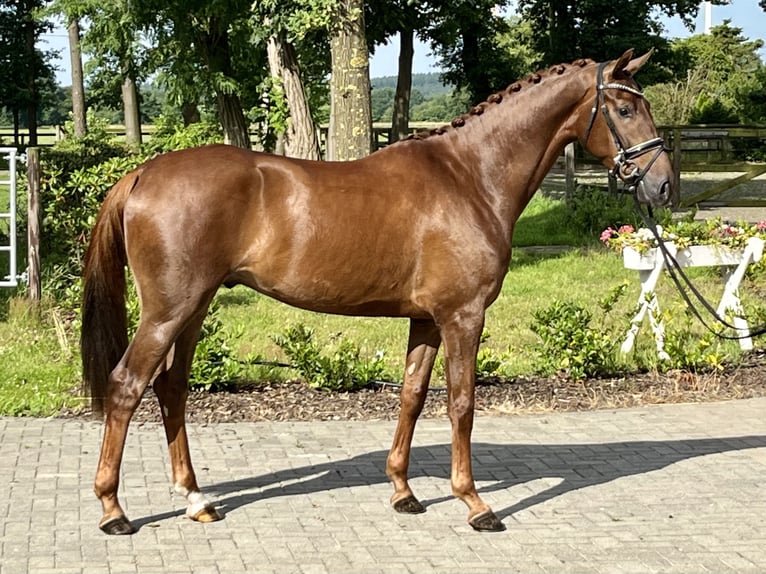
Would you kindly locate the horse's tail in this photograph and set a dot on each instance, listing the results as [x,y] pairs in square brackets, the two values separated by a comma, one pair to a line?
[104,335]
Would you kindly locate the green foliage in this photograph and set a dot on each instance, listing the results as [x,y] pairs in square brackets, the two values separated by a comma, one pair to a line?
[272,114]
[216,366]
[440,108]
[592,209]
[686,348]
[489,363]
[603,29]
[712,111]
[343,370]
[570,343]
[72,153]
[70,205]
[171,135]
[734,80]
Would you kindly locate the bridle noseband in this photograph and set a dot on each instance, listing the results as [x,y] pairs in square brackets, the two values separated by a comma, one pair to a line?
[625,156]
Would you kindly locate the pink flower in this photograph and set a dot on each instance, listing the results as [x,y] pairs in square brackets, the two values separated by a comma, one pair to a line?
[626,229]
[761,226]
[606,235]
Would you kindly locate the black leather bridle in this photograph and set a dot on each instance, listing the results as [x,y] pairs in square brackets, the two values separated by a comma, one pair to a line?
[625,155]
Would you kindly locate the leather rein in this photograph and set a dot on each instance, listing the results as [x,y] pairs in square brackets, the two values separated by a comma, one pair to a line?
[631,175]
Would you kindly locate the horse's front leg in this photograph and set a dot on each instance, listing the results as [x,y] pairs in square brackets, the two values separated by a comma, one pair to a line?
[421,353]
[461,337]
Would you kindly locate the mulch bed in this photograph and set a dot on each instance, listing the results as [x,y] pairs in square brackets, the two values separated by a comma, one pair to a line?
[295,401]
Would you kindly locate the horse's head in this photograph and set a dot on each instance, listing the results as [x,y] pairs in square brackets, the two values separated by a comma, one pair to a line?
[620,131]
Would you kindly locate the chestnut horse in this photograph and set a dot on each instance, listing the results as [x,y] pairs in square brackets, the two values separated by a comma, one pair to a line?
[421,229]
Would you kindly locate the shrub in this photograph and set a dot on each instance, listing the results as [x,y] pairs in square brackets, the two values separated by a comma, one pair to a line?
[686,348]
[570,343]
[593,209]
[344,370]
[169,135]
[216,366]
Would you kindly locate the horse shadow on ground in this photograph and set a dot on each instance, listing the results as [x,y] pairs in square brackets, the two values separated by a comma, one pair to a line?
[502,466]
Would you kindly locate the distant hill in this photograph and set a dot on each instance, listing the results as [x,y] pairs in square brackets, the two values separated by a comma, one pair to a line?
[427,84]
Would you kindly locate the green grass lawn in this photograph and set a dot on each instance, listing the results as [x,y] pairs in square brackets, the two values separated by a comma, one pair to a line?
[39,369]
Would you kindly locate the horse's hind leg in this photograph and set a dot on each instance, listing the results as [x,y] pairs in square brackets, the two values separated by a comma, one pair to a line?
[153,340]
[127,383]
[421,353]
[172,389]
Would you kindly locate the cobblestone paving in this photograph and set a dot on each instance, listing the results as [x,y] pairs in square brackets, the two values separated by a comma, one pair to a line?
[678,488]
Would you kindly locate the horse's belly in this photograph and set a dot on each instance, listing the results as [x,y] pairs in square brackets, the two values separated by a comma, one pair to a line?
[343,294]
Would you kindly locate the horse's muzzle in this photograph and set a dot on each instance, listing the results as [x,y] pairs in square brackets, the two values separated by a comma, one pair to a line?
[657,194]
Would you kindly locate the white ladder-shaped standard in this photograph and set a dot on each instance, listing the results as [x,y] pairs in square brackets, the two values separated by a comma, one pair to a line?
[651,265]
[11,279]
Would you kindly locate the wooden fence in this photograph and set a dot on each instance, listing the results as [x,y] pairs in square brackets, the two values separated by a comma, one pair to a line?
[702,148]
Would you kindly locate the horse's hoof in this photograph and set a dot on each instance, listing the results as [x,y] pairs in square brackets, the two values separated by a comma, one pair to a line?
[409,505]
[118,525]
[486,522]
[207,514]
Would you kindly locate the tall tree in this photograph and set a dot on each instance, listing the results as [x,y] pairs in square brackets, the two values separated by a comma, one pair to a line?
[733,72]
[213,43]
[26,71]
[350,134]
[284,26]
[113,41]
[466,35]
[300,136]
[601,29]
[72,11]
[205,45]
[79,115]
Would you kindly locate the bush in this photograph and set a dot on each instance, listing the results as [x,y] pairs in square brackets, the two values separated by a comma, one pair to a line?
[570,344]
[593,209]
[70,205]
[344,370]
[688,350]
[169,135]
[216,366]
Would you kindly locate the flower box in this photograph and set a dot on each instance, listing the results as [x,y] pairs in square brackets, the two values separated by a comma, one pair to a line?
[650,264]
[692,256]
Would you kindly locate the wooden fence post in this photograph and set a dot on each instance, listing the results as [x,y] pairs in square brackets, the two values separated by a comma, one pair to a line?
[677,161]
[33,224]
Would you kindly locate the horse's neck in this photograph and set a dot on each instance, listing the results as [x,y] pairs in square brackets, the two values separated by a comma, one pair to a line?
[522,138]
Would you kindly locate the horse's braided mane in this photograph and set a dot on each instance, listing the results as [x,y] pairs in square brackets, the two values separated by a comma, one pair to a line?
[498,97]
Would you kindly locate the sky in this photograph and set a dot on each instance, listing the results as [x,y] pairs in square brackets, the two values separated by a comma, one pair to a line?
[745,14]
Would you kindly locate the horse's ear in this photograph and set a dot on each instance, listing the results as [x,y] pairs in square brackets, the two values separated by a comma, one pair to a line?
[626,67]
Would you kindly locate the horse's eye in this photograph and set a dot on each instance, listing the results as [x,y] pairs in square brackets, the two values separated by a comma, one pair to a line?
[624,111]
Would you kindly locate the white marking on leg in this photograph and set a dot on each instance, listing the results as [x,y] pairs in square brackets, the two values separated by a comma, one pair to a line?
[411,369]
[196,500]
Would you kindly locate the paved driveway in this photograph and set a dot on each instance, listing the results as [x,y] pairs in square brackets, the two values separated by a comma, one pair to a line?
[678,488]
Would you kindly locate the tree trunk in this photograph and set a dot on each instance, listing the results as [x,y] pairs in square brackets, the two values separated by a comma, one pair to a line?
[214,46]
[478,81]
[190,113]
[400,124]
[350,135]
[300,139]
[31,83]
[235,129]
[132,115]
[78,86]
